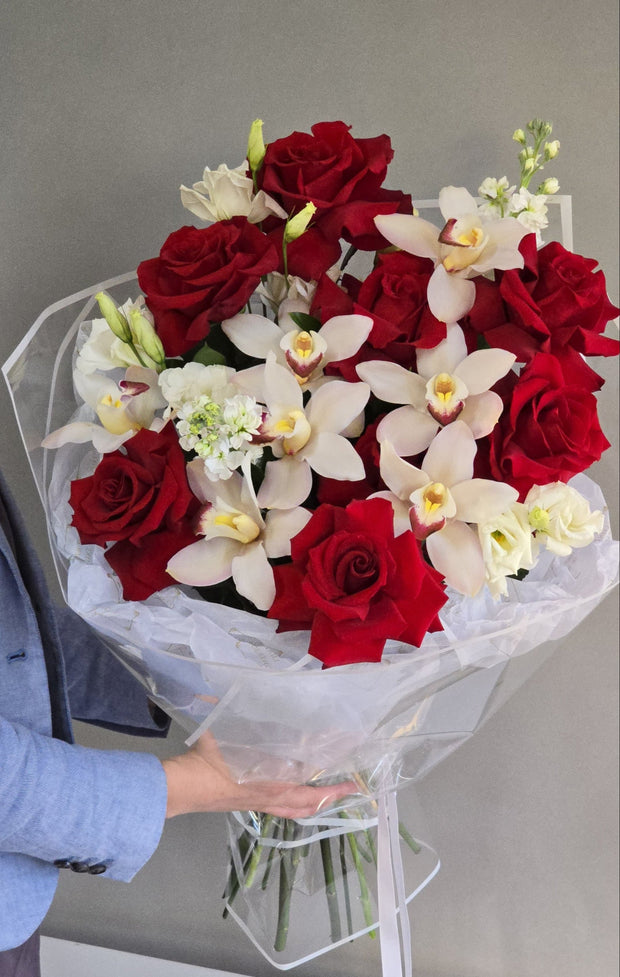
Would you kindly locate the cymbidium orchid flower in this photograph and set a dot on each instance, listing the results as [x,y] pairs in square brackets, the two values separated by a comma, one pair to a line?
[449,384]
[438,500]
[224,193]
[469,244]
[306,439]
[304,353]
[237,541]
[122,409]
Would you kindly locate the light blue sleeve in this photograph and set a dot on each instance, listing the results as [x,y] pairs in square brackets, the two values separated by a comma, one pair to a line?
[63,801]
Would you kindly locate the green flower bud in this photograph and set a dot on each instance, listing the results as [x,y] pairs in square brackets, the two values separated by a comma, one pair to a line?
[147,338]
[114,317]
[539,129]
[549,186]
[519,136]
[552,149]
[256,146]
[296,225]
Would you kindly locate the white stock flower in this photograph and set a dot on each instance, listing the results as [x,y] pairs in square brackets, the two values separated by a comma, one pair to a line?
[225,193]
[562,518]
[213,418]
[439,499]
[469,244]
[508,545]
[449,384]
[102,350]
[530,209]
[237,541]
[495,193]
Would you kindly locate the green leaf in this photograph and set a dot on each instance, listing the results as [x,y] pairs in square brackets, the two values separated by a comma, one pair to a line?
[305,321]
[209,357]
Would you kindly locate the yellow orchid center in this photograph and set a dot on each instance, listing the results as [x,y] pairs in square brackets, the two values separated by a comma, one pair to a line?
[445,387]
[112,413]
[243,526]
[435,496]
[294,430]
[303,345]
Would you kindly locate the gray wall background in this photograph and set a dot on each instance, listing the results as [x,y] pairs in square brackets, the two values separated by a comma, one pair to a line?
[105,109]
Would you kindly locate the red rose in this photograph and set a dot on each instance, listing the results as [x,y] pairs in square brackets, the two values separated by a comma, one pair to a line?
[340,175]
[203,275]
[549,430]
[354,585]
[394,296]
[138,499]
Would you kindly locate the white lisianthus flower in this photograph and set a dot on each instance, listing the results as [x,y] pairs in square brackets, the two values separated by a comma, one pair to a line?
[102,350]
[530,209]
[224,193]
[508,545]
[562,518]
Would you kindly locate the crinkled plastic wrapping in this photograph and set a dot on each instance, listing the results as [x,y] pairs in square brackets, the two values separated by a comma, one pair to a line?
[273,710]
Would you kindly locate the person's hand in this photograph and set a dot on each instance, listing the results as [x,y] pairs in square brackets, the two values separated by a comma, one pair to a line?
[199,780]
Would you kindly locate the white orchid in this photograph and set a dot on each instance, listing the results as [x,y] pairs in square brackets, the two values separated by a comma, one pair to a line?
[237,541]
[306,439]
[561,517]
[469,244]
[449,384]
[102,350]
[440,499]
[508,545]
[225,193]
[122,409]
[305,353]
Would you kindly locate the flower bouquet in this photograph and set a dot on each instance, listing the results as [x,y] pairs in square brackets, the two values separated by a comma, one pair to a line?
[318,481]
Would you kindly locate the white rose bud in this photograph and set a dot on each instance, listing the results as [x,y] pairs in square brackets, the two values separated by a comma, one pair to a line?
[562,518]
[508,545]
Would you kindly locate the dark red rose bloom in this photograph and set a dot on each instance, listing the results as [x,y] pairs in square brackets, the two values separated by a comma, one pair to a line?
[556,301]
[340,175]
[548,431]
[354,584]
[308,256]
[394,296]
[203,275]
[138,499]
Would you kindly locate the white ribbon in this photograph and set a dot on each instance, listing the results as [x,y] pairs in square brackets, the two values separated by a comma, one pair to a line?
[391,893]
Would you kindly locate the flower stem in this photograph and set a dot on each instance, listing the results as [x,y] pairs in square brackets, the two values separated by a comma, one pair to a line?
[364,894]
[330,889]
[257,851]
[288,866]
[342,841]
[408,839]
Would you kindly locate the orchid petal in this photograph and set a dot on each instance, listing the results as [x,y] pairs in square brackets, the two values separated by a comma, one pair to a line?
[92,387]
[444,357]
[483,368]
[228,490]
[450,458]
[281,386]
[502,249]
[393,383]
[402,523]
[332,456]
[252,382]
[482,412]
[287,483]
[344,334]
[408,429]
[79,432]
[206,562]
[480,499]
[281,526]
[400,477]
[334,405]
[412,234]
[253,576]
[449,297]
[254,335]
[456,202]
[456,552]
